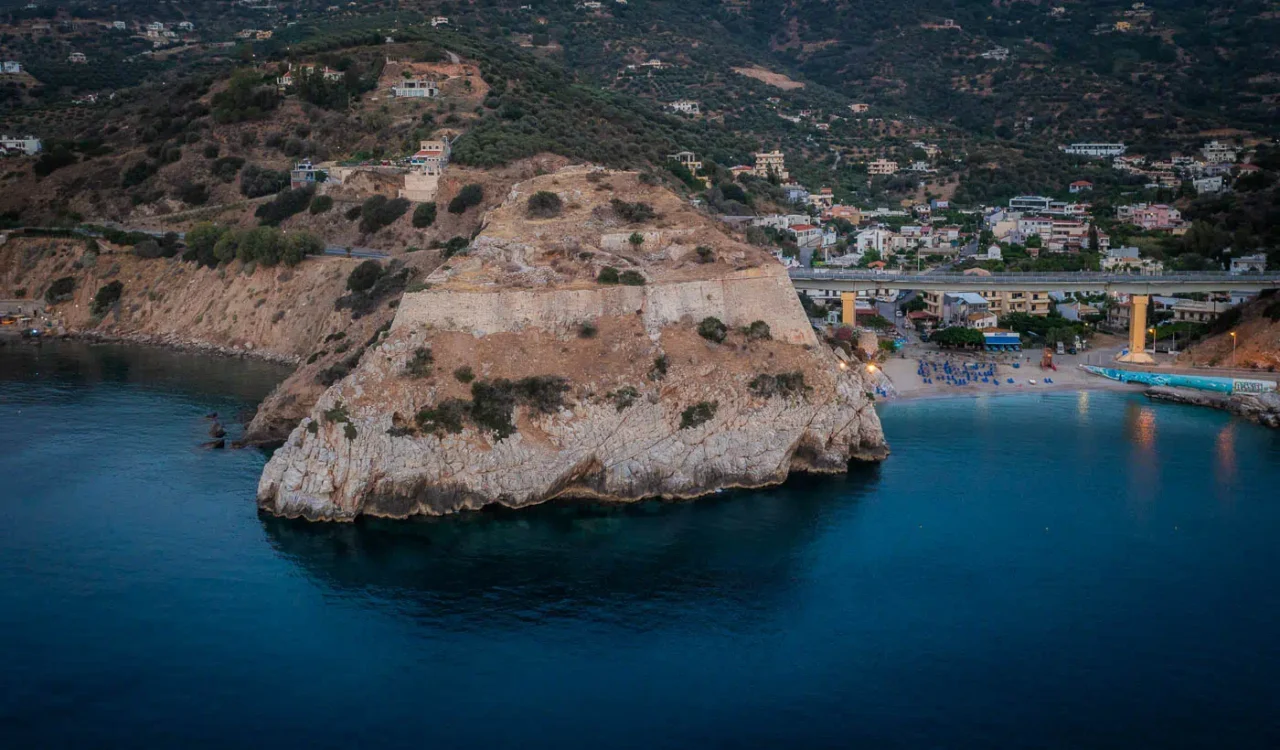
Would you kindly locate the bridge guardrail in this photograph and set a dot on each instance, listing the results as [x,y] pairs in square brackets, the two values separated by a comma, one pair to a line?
[995,279]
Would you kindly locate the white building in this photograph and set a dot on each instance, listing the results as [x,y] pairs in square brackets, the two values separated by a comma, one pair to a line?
[418,88]
[1249,264]
[440,21]
[1128,260]
[77,58]
[119,25]
[155,29]
[1208,185]
[27,145]
[880,240]
[1218,153]
[12,67]
[684,106]
[186,26]
[1094,150]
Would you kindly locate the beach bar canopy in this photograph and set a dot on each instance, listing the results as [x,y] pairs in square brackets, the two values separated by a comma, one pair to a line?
[1003,341]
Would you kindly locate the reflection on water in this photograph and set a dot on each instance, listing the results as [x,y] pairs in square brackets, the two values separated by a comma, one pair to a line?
[501,568]
[1225,465]
[74,364]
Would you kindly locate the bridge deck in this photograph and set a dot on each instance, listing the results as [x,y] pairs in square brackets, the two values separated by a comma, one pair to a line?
[821,278]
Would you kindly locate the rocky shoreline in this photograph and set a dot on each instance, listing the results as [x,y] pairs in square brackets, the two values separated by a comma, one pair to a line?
[178,343]
[1262,408]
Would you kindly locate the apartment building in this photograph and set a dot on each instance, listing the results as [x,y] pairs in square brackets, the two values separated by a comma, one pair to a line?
[1094,150]
[771,163]
[882,167]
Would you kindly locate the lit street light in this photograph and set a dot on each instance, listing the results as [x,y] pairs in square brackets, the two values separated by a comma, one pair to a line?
[1233,348]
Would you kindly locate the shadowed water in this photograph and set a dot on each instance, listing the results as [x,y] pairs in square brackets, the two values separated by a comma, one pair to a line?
[1057,571]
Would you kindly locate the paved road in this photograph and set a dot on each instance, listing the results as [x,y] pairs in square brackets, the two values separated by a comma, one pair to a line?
[338,251]
[355,252]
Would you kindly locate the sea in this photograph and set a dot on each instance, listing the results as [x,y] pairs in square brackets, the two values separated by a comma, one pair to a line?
[1057,570]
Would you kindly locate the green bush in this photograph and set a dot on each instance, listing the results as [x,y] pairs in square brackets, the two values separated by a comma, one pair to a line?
[759,331]
[470,195]
[491,405]
[623,397]
[379,211]
[608,275]
[464,374]
[245,98]
[587,330]
[285,204]
[424,215]
[298,245]
[712,329]
[419,365]
[782,384]
[60,289]
[698,414]
[107,295]
[631,278]
[193,193]
[321,204]
[227,167]
[455,246]
[705,254]
[632,213]
[447,416]
[256,181]
[200,243]
[544,204]
[659,369]
[364,276]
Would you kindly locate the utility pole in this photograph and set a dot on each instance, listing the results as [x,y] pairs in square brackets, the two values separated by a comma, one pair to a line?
[1233,348]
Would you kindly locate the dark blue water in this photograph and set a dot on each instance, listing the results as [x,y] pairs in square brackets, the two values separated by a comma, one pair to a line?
[1056,571]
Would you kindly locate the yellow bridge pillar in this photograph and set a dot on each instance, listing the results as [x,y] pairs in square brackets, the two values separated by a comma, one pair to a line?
[849,308]
[1138,331]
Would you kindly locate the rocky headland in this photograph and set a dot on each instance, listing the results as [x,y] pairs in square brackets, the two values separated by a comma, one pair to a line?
[610,343]
[1262,408]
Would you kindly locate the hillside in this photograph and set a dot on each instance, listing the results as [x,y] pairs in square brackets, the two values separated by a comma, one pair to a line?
[1257,344]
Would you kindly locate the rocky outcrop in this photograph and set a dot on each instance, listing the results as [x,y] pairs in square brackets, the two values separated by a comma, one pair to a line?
[517,377]
[1263,408]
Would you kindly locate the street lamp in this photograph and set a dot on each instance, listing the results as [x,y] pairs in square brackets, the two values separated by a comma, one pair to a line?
[1233,348]
[1152,331]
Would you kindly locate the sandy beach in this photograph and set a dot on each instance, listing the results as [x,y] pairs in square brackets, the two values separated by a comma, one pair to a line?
[903,373]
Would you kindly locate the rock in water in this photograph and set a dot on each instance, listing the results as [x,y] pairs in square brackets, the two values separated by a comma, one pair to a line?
[216,430]
[525,372]
[218,444]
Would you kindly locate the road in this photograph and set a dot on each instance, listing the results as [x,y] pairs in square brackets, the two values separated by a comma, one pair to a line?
[337,251]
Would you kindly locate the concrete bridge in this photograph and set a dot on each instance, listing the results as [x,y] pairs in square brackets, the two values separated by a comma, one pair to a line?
[1139,288]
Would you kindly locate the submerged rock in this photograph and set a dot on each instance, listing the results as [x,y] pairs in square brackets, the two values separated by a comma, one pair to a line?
[516,377]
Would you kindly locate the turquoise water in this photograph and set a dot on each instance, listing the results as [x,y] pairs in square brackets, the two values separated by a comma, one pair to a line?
[1040,571]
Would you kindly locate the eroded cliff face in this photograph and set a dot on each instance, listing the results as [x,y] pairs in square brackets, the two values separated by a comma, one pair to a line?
[517,377]
[282,314]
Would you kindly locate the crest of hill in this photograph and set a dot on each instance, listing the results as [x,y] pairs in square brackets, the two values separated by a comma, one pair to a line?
[592,233]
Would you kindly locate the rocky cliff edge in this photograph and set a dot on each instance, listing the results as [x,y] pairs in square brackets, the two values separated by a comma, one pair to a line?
[518,376]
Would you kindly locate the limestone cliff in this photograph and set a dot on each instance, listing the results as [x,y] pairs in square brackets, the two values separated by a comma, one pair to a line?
[518,376]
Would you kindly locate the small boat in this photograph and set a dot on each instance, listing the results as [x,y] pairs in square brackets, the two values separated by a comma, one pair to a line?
[1031,382]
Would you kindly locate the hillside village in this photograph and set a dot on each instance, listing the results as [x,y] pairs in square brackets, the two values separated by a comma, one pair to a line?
[365,140]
